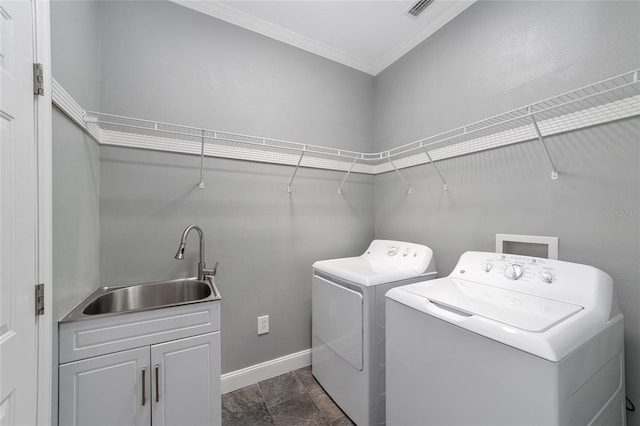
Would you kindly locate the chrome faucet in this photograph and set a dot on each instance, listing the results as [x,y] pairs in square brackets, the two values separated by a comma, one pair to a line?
[203,272]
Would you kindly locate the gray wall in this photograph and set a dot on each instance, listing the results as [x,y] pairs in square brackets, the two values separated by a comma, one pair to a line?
[76,231]
[498,56]
[264,237]
[164,62]
[75,64]
[75,45]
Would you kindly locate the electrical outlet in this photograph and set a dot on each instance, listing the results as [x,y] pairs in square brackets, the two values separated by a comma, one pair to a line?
[263,324]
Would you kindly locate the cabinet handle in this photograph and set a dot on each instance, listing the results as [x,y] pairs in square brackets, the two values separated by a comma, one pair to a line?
[144,382]
[157,384]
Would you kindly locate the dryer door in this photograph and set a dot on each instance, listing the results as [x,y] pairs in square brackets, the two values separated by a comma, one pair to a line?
[337,319]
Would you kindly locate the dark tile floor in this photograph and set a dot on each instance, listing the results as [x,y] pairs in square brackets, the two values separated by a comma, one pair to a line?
[292,399]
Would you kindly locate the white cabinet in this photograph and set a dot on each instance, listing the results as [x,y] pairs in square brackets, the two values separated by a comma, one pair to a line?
[106,390]
[152,368]
[186,381]
[173,383]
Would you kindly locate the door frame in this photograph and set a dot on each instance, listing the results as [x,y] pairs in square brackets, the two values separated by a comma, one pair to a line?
[43,134]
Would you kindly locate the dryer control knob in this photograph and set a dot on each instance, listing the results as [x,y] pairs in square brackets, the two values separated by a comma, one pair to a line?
[486,267]
[514,271]
[547,277]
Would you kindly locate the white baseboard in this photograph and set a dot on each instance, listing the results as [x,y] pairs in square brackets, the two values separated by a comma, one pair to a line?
[265,370]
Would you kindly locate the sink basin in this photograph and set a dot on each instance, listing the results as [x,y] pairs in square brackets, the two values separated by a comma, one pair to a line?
[148,296]
[144,296]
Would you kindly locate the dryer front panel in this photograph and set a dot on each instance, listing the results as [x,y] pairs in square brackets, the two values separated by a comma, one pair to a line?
[337,319]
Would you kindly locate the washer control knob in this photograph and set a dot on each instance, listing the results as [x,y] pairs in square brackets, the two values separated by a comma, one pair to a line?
[514,271]
[547,277]
[486,267]
[406,252]
[392,250]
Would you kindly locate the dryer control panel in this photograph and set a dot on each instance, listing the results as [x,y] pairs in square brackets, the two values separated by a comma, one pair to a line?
[399,255]
[554,279]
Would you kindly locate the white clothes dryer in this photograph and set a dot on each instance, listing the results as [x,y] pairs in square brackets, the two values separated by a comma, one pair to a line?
[506,340]
[348,324]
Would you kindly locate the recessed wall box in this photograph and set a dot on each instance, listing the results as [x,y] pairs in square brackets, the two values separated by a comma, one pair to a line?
[527,245]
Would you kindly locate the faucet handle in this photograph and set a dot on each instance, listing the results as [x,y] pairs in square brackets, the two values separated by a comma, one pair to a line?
[210,272]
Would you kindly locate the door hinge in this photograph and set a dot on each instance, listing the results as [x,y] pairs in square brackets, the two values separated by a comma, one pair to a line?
[39,299]
[38,79]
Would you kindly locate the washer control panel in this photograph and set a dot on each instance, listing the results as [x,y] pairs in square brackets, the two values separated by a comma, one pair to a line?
[571,282]
[515,268]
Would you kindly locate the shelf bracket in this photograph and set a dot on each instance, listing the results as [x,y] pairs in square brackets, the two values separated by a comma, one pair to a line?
[296,170]
[444,182]
[399,174]
[201,183]
[554,170]
[347,175]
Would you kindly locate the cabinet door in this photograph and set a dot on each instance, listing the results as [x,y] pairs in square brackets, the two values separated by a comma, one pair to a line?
[106,390]
[186,381]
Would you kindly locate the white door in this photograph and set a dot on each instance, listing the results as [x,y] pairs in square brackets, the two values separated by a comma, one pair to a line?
[106,390]
[186,381]
[18,204]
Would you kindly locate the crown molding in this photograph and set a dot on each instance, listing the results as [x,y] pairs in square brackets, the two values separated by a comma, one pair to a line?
[446,12]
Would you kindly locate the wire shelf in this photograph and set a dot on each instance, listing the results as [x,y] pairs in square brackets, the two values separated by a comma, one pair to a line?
[225,144]
[608,100]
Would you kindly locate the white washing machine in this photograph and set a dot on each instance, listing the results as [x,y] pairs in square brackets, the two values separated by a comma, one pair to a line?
[506,340]
[348,325]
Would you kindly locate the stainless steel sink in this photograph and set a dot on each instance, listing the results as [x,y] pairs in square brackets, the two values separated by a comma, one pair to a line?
[144,296]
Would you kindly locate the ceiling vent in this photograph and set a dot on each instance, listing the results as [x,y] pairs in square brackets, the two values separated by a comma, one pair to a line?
[419,7]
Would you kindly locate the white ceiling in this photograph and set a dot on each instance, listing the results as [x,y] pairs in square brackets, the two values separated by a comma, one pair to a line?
[362,34]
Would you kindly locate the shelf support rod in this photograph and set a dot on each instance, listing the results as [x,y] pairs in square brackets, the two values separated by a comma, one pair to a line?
[296,170]
[399,174]
[201,183]
[554,169]
[347,175]
[444,182]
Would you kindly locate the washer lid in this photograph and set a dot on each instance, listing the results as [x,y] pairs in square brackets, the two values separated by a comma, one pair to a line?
[361,270]
[512,308]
